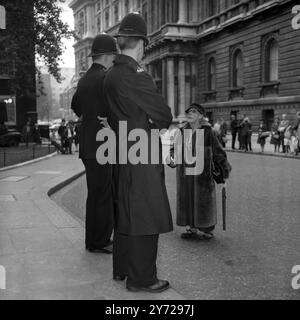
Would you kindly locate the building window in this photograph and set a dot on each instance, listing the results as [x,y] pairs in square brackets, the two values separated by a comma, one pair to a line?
[81,24]
[237,69]
[272,56]
[211,94]
[236,90]
[270,66]
[212,74]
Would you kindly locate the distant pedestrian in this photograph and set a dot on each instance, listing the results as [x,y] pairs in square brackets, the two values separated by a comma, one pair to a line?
[63,134]
[234,130]
[282,128]
[218,130]
[249,135]
[240,136]
[36,135]
[77,135]
[27,131]
[224,129]
[70,137]
[275,135]
[262,135]
[297,130]
[245,133]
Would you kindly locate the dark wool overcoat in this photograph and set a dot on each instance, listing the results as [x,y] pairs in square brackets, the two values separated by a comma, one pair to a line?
[196,194]
[142,202]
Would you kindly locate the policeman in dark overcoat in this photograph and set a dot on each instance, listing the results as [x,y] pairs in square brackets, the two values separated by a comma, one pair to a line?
[89,104]
[143,210]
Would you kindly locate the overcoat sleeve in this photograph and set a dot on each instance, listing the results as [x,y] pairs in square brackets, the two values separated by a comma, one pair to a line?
[75,105]
[143,92]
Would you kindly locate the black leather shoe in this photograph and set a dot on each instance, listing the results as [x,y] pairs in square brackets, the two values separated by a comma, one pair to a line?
[106,250]
[119,278]
[158,287]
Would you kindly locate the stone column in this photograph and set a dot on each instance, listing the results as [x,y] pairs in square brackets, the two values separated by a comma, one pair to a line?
[181,87]
[194,80]
[171,84]
[151,70]
[164,78]
[222,5]
[183,14]
[188,82]
[195,15]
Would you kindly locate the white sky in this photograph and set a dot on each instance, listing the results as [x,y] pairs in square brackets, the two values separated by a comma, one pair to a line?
[68,57]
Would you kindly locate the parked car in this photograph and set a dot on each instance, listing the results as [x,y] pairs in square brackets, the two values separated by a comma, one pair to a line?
[10,138]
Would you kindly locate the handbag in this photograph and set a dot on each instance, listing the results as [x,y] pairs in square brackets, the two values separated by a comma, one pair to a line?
[220,168]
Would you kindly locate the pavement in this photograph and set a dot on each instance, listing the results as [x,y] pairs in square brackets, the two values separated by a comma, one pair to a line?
[254,258]
[42,245]
[42,241]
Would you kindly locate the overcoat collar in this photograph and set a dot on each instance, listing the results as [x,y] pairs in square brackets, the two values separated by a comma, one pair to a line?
[97,66]
[124,59]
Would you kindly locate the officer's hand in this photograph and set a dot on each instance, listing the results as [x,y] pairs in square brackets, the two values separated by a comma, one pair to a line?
[104,122]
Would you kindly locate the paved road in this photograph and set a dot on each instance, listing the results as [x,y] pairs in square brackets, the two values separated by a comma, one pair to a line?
[254,258]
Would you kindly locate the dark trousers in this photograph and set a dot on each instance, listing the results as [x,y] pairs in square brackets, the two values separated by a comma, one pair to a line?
[135,257]
[249,143]
[99,204]
[234,135]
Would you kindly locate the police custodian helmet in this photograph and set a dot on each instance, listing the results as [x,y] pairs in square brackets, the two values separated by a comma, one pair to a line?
[133,25]
[103,44]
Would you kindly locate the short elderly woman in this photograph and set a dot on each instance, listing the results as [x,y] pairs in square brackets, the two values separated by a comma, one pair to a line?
[196,194]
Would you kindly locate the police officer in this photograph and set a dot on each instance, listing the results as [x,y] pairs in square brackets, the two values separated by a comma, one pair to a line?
[143,210]
[88,103]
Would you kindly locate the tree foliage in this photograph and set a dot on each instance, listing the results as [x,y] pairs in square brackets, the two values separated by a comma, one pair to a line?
[50,32]
[34,29]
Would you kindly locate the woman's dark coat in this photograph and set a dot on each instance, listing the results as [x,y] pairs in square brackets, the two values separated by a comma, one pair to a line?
[196,195]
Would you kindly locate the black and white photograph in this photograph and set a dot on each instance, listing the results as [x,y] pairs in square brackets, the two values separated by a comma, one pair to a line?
[150,153]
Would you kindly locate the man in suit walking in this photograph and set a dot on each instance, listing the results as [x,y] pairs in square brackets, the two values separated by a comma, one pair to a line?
[143,210]
[89,104]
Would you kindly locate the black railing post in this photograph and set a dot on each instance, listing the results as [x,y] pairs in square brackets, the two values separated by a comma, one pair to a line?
[33,151]
[4,158]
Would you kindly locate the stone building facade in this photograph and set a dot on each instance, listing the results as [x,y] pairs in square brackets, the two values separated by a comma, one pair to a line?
[234,56]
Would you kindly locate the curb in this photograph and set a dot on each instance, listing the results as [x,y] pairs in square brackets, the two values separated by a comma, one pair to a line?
[23,164]
[65,183]
[264,154]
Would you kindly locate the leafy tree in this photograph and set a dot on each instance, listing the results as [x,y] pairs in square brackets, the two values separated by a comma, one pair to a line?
[34,29]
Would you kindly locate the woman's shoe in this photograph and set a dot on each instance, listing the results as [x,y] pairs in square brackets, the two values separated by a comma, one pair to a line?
[189,234]
[208,236]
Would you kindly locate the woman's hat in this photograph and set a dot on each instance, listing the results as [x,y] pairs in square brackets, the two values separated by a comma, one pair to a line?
[197,107]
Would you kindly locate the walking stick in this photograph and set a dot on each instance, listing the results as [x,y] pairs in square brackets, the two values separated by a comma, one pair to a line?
[224,209]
